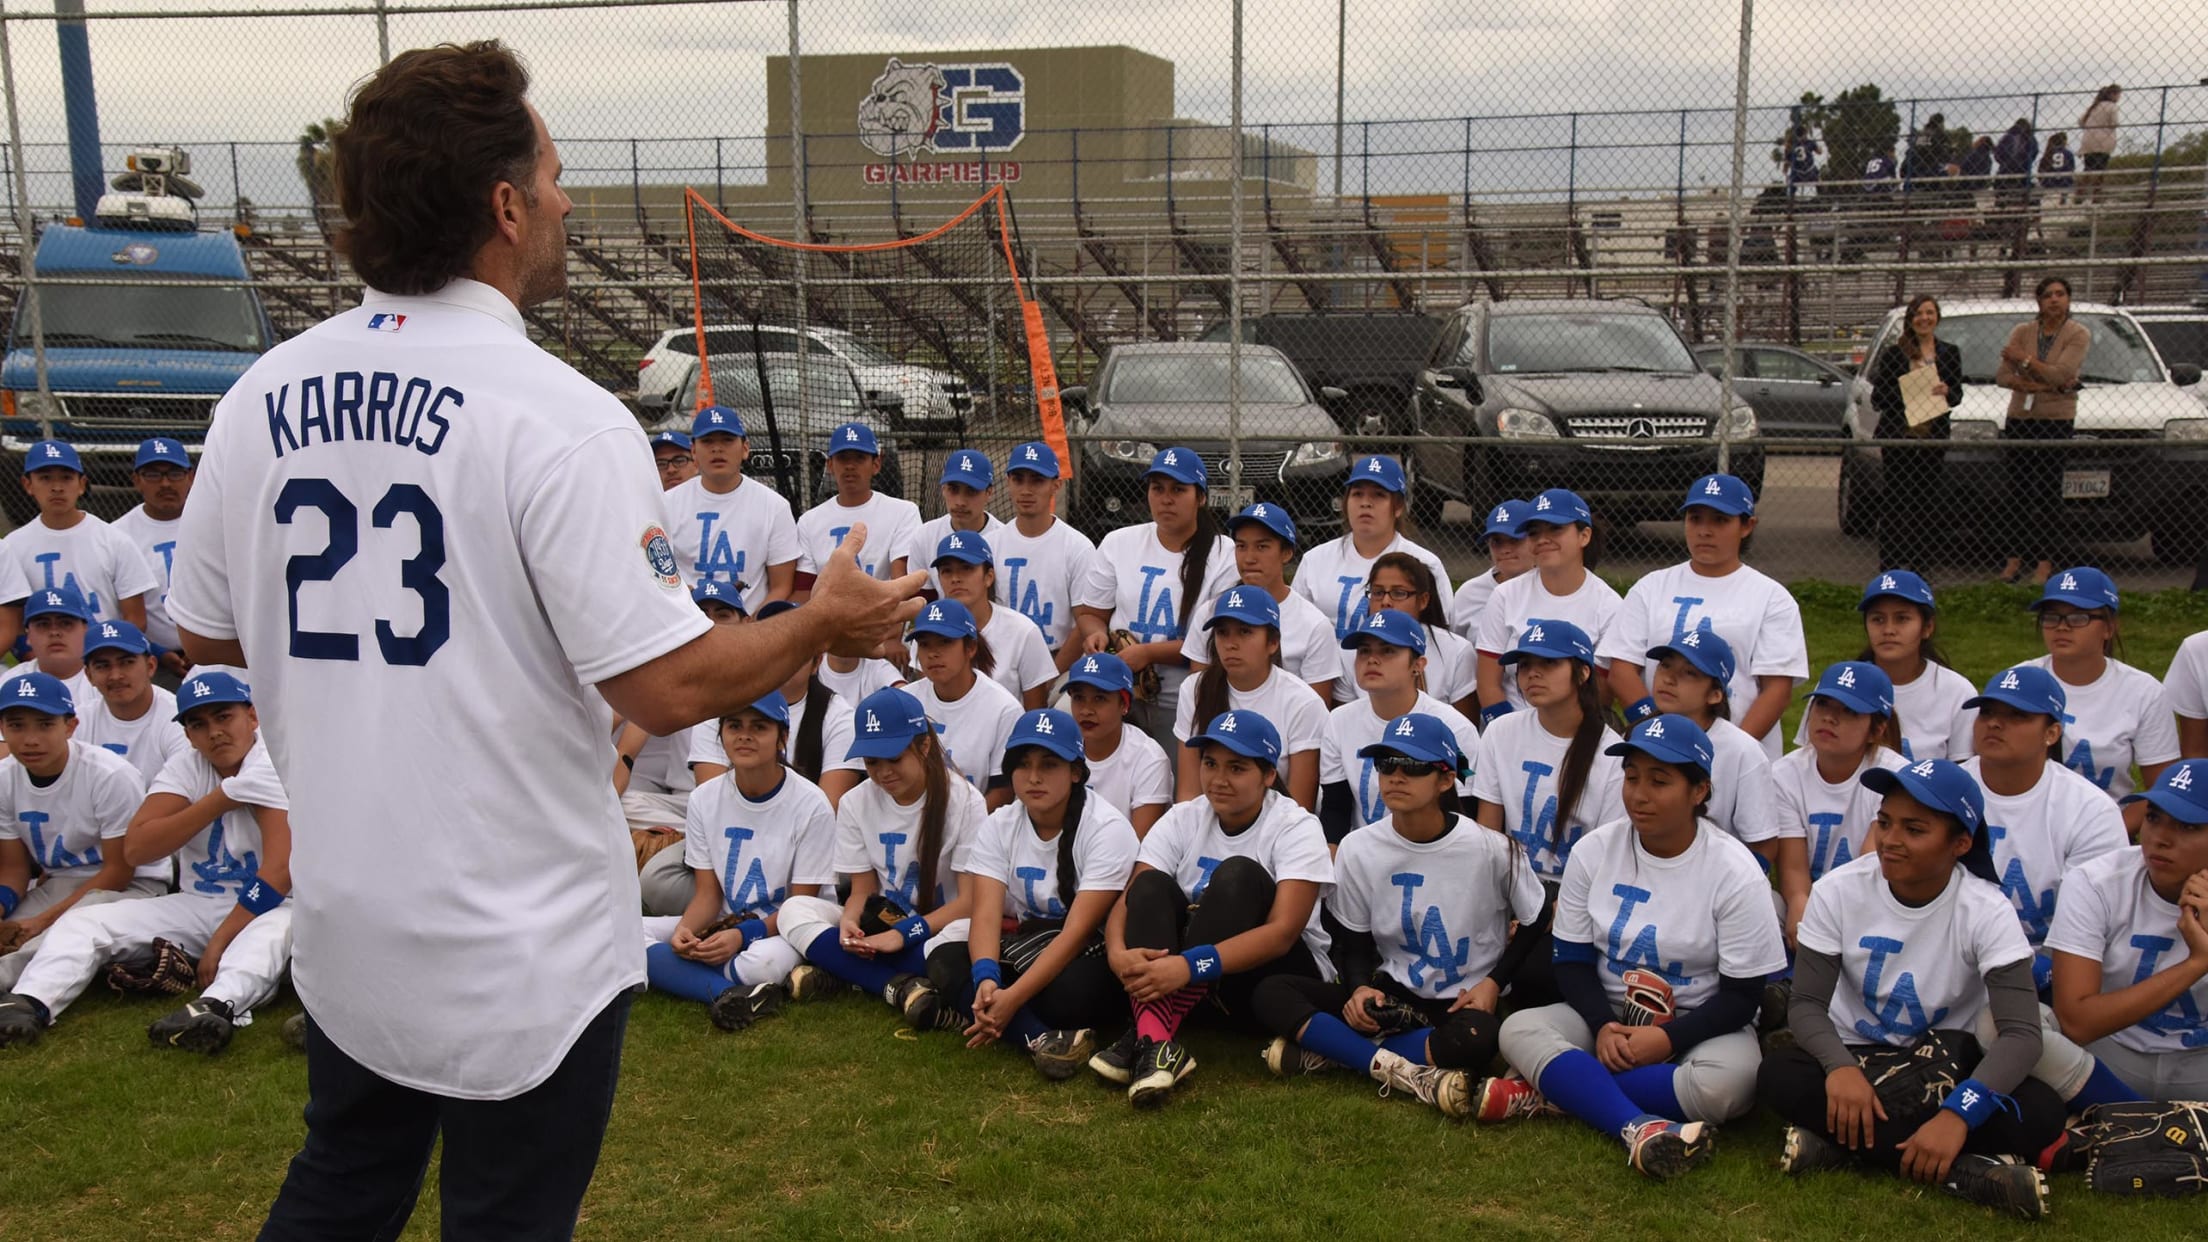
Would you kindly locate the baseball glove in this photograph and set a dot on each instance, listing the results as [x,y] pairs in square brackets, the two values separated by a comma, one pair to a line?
[650,841]
[1647,999]
[1393,1016]
[12,936]
[2148,1149]
[1146,680]
[719,925]
[169,972]
[1912,1081]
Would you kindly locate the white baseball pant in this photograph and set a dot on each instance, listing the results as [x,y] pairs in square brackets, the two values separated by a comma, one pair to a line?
[83,941]
[804,918]
[42,897]
[1716,1079]
[769,960]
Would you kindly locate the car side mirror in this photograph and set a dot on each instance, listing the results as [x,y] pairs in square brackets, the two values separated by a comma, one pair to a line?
[1827,380]
[1074,394]
[1461,378]
[2184,374]
[1331,394]
[1715,370]
[886,402]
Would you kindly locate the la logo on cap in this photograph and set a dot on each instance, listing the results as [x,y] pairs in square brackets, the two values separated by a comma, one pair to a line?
[956,542]
[201,689]
[24,689]
[934,613]
[872,725]
[1403,727]
[1655,728]
[109,631]
[1372,466]
[53,450]
[1711,488]
[1259,511]
[716,416]
[53,600]
[965,462]
[1226,723]
[1089,665]
[1923,769]
[1169,459]
[1042,725]
[2068,583]
[851,434]
[1031,453]
[1501,514]
[1534,635]
[2182,779]
[1846,678]
[2008,680]
[1692,638]
[1886,583]
[1541,504]
[1234,599]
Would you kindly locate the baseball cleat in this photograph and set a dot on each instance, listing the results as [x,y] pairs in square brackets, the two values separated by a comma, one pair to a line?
[202,1026]
[810,983]
[738,1007]
[1285,1056]
[2013,1189]
[1807,1151]
[1448,1090]
[22,1020]
[914,999]
[1663,1149]
[1059,1055]
[1116,1064]
[1507,1099]
[1161,1068]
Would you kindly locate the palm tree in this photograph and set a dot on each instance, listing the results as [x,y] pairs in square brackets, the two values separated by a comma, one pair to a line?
[315,161]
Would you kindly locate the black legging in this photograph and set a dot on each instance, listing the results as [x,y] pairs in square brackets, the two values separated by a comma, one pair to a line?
[2035,525]
[1084,994]
[1913,512]
[1461,1040]
[1791,1083]
[1239,898]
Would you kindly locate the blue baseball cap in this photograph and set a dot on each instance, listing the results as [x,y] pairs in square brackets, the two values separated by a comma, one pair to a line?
[41,692]
[885,723]
[971,468]
[1506,519]
[946,617]
[2082,587]
[1938,783]
[1247,604]
[963,545]
[716,420]
[773,706]
[2181,792]
[1049,728]
[2027,689]
[1181,465]
[1103,670]
[116,636]
[1245,733]
[1417,736]
[1551,640]
[671,439]
[1721,492]
[719,592]
[1899,583]
[61,600]
[775,608]
[854,438]
[1670,739]
[1859,686]
[208,689]
[1558,506]
[1271,517]
[1384,472]
[1035,457]
[1710,654]
[1392,626]
[164,450]
[52,453]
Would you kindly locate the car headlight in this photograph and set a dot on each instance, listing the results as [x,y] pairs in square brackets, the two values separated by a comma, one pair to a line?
[1739,423]
[1972,429]
[2185,429]
[1315,453]
[1138,451]
[1525,424]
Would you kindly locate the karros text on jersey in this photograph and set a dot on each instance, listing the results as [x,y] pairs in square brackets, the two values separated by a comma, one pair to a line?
[349,405]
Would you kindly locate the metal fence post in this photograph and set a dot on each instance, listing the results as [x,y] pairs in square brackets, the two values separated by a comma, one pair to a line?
[1234,269]
[25,229]
[1732,240]
[383,32]
[799,230]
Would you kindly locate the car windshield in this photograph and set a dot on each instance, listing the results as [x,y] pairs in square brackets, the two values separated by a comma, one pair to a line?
[861,352]
[1522,344]
[2118,355]
[148,314]
[2179,340]
[1150,379]
[830,394]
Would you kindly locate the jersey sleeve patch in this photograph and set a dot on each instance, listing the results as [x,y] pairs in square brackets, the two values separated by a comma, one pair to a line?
[659,553]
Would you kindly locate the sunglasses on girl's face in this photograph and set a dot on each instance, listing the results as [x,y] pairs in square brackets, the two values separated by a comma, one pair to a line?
[1403,765]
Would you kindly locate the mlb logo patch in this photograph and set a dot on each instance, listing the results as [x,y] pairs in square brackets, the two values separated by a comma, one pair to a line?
[659,553]
[384,321]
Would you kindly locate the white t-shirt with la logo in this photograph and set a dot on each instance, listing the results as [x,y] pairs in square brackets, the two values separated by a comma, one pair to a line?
[1746,608]
[1008,851]
[976,725]
[1834,820]
[2186,685]
[919,546]
[1439,911]
[1188,844]
[1523,600]
[147,743]
[732,536]
[99,562]
[1036,575]
[2040,835]
[875,834]
[1354,726]
[1136,773]
[1308,648]
[1293,707]
[157,540]
[1333,577]
[1905,970]
[889,525]
[225,856]
[2122,718]
[1517,769]
[1742,799]
[1705,913]
[2111,914]
[67,823]
[759,849]
[1139,583]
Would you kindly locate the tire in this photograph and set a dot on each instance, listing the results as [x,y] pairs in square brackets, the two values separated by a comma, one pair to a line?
[1858,520]
[2181,541]
[1479,495]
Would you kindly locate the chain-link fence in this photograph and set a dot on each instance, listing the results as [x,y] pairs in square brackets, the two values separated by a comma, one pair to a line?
[1587,245]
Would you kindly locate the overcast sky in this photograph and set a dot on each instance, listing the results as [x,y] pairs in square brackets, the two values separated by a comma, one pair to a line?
[697,71]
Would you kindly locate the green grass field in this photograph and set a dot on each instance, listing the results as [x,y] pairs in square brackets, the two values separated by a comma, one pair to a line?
[829,1121]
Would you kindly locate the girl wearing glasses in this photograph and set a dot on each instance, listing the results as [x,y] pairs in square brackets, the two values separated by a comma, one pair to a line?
[1334,574]
[1387,655]
[1560,530]
[1402,582]
[2117,717]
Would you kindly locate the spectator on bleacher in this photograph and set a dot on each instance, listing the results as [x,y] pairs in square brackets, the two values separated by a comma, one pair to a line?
[2039,367]
[1976,166]
[1909,522]
[1927,157]
[1801,163]
[2013,158]
[2097,136]
[1880,171]
[2058,165]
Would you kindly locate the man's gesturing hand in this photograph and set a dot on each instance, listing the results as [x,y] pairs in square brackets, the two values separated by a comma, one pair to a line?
[861,615]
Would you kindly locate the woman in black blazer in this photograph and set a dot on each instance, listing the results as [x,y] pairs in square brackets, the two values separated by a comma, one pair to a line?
[1914,485]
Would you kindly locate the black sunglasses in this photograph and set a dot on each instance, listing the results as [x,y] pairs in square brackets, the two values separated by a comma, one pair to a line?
[1404,765]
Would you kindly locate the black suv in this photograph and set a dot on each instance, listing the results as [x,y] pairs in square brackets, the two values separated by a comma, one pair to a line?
[1373,357]
[1597,396]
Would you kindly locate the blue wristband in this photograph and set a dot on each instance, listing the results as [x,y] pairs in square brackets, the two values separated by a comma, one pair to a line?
[914,929]
[1642,710]
[260,897]
[986,970]
[1489,715]
[754,931]
[1973,1101]
[9,898]
[1204,964]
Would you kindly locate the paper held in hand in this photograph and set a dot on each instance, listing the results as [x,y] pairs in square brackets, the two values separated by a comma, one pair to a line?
[1918,402]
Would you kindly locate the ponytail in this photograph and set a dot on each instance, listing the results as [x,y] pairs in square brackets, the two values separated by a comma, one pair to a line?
[1579,757]
[985,657]
[1211,687]
[1978,859]
[1886,733]
[1196,561]
[805,753]
[1069,880]
[935,807]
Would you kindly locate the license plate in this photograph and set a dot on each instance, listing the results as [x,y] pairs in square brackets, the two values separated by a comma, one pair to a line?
[1236,499]
[2085,485]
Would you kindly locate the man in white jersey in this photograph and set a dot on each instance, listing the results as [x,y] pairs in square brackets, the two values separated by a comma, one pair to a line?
[728,528]
[162,473]
[426,602]
[128,715]
[65,546]
[1040,556]
[854,458]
